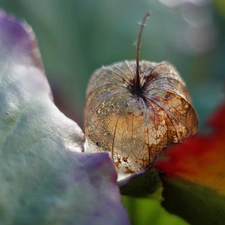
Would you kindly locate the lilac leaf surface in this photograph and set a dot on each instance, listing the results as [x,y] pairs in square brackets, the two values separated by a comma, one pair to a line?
[45,178]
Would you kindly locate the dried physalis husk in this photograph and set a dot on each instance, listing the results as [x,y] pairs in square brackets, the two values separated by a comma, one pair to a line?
[136,118]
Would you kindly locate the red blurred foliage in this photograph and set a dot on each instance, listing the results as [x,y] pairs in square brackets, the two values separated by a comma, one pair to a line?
[217,119]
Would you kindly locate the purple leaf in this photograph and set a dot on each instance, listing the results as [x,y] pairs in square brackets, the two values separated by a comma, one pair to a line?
[45,178]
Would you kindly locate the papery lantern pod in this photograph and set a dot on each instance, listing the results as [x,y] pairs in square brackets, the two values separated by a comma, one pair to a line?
[136,118]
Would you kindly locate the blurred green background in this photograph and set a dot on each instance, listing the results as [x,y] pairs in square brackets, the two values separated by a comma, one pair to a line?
[76,37]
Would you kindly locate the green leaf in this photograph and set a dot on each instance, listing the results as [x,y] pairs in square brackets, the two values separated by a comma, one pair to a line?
[149,211]
[197,204]
[142,184]
[44,176]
